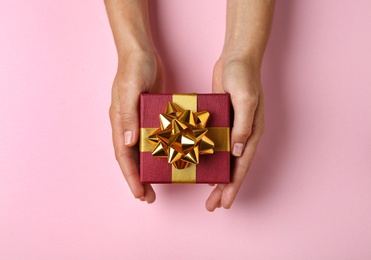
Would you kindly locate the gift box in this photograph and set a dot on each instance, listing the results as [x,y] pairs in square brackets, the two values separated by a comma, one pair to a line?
[184,138]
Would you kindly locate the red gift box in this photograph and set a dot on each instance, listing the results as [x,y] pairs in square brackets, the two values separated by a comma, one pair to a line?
[211,168]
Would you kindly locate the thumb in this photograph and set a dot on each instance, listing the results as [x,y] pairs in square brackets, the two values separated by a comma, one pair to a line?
[244,107]
[129,106]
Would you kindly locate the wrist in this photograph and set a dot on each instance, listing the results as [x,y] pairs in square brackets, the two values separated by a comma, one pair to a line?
[242,54]
[135,43]
[135,36]
[130,25]
[247,29]
[146,56]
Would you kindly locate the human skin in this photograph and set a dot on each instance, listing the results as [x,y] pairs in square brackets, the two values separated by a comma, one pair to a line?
[139,70]
[237,72]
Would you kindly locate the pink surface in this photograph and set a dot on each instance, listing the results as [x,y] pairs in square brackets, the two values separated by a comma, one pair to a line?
[62,195]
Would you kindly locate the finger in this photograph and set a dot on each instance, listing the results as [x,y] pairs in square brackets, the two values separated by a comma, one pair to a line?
[128,165]
[150,195]
[214,199]
[244,106]
[129,106]
[243,163]
[125,156]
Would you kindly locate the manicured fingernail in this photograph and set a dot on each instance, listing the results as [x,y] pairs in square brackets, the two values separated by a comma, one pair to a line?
[128,135]
[237,149]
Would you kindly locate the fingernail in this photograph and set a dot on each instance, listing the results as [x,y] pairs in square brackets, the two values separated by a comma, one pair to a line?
[237,149]
[142,198]
[128,135]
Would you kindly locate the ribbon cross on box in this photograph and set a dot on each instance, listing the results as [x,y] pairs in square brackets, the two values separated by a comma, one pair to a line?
[173,139]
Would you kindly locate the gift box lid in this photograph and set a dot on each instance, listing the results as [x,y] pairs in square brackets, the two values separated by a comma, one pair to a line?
[213,168]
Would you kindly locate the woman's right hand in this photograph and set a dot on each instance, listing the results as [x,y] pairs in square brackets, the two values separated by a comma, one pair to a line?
[138,72]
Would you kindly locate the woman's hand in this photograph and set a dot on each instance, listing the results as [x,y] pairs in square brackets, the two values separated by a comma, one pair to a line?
[241,79]
[137,72]
[237,72]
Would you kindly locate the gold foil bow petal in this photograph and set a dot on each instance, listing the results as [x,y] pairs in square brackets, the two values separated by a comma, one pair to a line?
[182,136]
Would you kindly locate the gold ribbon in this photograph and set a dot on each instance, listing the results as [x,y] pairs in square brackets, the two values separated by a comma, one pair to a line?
[220,136]
[182,137]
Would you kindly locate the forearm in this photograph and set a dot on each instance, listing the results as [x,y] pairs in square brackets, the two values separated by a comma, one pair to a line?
[248,27]
[129,20]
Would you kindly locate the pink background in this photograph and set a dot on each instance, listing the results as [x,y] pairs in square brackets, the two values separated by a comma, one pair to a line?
[62,196]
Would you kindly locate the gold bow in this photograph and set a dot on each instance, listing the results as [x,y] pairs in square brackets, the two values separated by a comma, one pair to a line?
[182,136]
